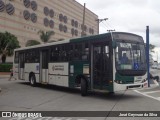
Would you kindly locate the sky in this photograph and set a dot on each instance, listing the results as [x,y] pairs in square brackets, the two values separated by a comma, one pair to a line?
[129,16]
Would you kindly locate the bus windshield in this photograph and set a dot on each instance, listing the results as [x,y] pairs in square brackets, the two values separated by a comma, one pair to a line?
[130,56]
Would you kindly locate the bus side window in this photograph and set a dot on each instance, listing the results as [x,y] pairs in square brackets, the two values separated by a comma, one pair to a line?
[51,55]
[27,54]
[16,57]
[78,52]
[85,52]
[54,54]
[37,56]
[70,52]
[63,56]
[34,56]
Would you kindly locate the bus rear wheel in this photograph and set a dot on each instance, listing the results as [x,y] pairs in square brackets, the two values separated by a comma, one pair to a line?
[83,87]
[32,80]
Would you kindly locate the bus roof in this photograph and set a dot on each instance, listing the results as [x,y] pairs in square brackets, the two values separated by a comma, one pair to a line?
[90,38]
[80,39]
[44,45]
[86,38]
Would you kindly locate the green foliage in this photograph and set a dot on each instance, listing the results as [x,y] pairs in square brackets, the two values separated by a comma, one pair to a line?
[45,36]
[5,67]
[8,43]
[32,42]
[151,47]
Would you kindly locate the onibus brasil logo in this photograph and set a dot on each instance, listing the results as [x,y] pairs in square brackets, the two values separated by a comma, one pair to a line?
[21,115]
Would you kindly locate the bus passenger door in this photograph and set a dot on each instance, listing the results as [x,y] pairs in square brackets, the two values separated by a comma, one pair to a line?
[21,66]
[44,66]
[100,66]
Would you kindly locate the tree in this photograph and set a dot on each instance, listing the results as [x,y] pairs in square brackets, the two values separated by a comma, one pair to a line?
[45,36]
[8,43]
[32,42]
[151,50]
[151,47]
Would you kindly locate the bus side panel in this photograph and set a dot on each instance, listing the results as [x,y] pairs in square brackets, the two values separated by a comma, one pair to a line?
[58,74]
[78,68]
[32,67]
[15,71]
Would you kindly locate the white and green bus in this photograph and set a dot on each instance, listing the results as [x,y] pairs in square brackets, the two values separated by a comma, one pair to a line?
[90,63]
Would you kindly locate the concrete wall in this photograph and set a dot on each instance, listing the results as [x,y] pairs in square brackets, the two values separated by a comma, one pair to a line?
[26,29]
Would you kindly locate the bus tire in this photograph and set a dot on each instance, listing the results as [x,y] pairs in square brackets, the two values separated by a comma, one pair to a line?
[33,80]
[83,87]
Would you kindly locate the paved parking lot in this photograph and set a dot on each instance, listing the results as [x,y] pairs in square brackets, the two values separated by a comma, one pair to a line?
[20,96]
[153,93]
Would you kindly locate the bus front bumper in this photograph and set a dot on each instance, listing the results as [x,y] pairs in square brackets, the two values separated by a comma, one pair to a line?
[121,87]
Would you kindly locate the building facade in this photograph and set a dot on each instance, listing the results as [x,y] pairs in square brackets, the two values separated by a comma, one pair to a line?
[24,18]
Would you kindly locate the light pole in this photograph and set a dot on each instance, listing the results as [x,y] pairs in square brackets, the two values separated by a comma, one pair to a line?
[99,21]
[110,31]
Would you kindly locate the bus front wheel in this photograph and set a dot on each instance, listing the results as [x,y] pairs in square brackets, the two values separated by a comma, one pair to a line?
[33,80]
[83,87]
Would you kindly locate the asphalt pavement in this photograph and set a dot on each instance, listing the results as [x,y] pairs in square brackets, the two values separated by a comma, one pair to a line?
[3,75]
[20,96]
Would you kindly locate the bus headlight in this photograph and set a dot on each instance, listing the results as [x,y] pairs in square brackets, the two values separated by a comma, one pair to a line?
[118,81]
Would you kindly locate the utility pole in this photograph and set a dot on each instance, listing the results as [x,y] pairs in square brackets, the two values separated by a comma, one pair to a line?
[84,12]
[99,21]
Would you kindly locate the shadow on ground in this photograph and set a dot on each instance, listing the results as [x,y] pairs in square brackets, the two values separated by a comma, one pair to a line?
[123,95]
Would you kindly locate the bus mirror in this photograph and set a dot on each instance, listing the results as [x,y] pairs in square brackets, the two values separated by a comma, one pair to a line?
[114,44]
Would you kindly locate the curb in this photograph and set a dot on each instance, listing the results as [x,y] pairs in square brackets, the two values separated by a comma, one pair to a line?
[4,76]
